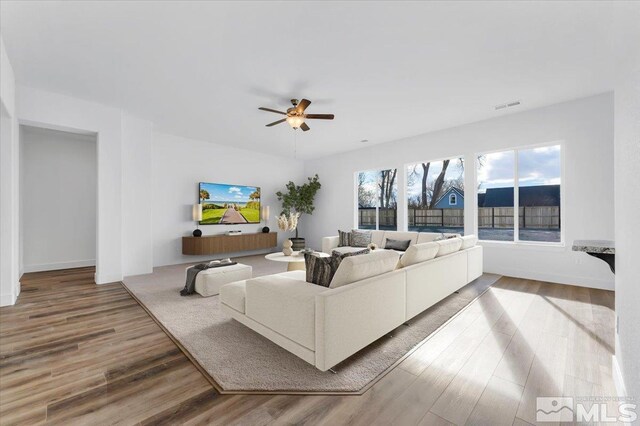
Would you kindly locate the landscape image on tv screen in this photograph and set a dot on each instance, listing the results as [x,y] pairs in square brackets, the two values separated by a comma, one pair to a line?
[229,204]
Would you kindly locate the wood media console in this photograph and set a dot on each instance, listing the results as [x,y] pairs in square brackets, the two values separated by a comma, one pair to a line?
[223,243]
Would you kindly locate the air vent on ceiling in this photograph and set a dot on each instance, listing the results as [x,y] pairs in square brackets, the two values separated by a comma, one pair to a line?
[507,105]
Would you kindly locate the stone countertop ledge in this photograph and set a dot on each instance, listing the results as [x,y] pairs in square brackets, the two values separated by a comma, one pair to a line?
[595,246]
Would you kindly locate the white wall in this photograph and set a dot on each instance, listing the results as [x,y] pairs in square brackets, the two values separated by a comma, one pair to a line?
[180,163]
[58,194]
[137,181]
[9,185]
[584,127]
[627,194]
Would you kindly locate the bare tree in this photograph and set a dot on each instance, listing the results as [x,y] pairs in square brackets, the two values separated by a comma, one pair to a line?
[366,197]
[386,183]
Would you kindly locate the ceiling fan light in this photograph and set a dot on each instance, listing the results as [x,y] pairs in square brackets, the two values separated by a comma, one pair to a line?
[295,121]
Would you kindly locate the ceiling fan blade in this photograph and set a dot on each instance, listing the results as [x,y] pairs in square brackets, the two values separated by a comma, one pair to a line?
[303,105]
[320,116]
[272,110]
[276,122]
[304,127]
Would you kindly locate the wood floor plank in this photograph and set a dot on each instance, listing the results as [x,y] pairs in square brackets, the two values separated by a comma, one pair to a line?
[72,352]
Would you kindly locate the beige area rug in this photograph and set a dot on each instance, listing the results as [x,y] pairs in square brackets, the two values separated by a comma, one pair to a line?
[240,360]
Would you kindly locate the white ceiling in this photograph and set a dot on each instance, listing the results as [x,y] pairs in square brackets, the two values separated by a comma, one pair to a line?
[387,70]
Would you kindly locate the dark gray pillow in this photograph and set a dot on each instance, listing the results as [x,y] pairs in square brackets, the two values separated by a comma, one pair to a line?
[320,270]
[400,245]
[344,238]
[360,238]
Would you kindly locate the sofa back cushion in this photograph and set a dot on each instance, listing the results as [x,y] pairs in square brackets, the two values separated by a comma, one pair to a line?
[419,253]
[448,246]
[395,235]
[377,238]
[468,241]
[427,237]
[357,268]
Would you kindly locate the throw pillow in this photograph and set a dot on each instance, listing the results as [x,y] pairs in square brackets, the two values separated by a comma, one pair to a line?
[344,238]
[400,245]
[337,254]
[320,270]
[360,238]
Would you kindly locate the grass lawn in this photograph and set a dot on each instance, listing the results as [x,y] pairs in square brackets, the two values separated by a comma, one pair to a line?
[252,215]
[212,215]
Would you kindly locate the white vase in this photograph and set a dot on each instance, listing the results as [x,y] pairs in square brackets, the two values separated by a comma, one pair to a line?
[286,248]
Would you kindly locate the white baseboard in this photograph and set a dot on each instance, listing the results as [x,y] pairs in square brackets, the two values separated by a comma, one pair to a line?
[107,279]
[7,299]
[618,381]
[555,278]
[59,265]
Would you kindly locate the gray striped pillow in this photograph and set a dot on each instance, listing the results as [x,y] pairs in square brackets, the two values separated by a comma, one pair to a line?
[320,270]
[344,238]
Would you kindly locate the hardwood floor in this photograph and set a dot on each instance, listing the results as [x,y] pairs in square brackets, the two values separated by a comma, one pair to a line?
[72,352]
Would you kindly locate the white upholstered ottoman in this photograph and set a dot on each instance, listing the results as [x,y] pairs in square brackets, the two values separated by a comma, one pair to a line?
[208,282]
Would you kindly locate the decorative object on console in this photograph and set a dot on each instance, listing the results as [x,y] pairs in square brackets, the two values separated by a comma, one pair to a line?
[286,248]
[288,222]
[265,217]
[400,245]
[299,199]
[196,215]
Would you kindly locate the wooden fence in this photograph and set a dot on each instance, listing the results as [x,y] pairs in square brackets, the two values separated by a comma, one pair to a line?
[538,217]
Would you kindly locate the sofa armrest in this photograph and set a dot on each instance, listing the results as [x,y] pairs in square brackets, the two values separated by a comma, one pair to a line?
[351,317]
[329,243]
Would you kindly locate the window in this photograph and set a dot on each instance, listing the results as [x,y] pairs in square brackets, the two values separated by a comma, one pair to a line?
[377,199]
[528,178]
[435,196]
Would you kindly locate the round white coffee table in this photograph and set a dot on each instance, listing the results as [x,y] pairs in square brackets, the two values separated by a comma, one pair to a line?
[295,261]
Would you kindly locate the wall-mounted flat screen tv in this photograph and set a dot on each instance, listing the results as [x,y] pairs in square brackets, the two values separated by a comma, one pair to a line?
[229,204]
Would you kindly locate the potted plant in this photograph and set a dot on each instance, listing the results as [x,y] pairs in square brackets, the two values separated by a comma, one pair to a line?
[299,199]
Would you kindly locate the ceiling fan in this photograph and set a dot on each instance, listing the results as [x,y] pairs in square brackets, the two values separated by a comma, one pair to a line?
[295,115]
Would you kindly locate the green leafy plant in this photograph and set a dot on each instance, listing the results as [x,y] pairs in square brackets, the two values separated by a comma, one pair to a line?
[299,198]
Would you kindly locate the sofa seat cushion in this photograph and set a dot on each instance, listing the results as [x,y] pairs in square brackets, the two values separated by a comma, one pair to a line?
[419,253]
[234,295]
[468,241]
[285,303]
[448,246]
[357,268]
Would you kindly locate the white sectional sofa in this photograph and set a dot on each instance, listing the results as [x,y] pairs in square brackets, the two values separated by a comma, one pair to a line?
[379,238]
[369,296]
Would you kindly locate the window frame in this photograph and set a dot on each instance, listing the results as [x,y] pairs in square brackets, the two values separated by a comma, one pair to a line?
[516,196]
[355,198]
[453,197]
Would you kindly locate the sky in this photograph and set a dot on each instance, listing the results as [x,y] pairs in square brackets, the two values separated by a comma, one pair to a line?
[221,192]
[536,166]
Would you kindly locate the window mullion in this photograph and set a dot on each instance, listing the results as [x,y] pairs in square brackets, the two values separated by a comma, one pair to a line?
[516,199]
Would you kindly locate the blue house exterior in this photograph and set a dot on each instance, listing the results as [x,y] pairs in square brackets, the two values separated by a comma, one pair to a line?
[452,199]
